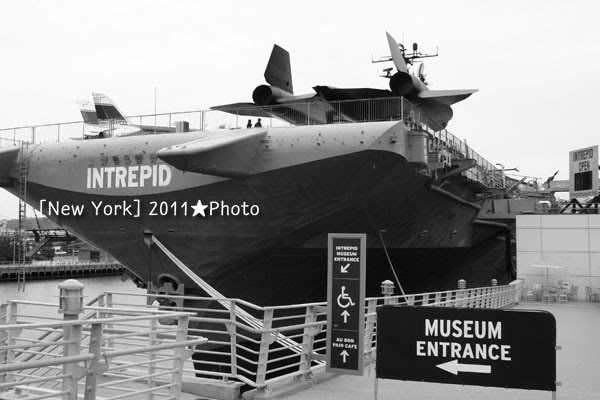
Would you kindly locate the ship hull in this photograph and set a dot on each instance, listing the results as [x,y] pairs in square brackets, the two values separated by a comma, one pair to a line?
[278,255]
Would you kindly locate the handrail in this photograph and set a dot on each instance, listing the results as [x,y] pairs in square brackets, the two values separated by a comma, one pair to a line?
[53,367]
[236,351]
[308,321]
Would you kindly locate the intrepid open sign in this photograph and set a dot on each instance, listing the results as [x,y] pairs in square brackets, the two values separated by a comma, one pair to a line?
[502,348]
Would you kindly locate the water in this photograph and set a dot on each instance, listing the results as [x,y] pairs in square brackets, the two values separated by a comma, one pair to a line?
[47,290]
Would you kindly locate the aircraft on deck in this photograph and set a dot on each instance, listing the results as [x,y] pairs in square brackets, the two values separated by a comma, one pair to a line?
[279,93]
[104,119]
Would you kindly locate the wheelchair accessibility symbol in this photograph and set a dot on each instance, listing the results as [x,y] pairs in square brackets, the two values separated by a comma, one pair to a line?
[344,299]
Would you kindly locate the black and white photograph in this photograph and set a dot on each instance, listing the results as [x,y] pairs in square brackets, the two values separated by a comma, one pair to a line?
[327,200]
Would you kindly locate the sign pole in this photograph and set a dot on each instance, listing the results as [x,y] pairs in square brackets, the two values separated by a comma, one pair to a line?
[346,275]
[376,386]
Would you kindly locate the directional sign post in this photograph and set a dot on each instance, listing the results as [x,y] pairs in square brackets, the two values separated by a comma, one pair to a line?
[346,302]
[500,348]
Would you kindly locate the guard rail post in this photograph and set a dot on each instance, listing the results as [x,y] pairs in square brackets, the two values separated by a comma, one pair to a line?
[109,304]
[266,338]
[308,341]
[13,316]
[94,369]
[438,298]
[460,294]
[181,354]
[517,286]
[469,298]
[152,336]
[495,297]
[474,298]
[71,306]
[387,289]
[10,337]
[3,337]
[370,324]
[483,299]
[232,330]
[402,108]
[479,303]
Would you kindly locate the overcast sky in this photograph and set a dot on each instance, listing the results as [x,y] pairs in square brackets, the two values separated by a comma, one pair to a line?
[535,63]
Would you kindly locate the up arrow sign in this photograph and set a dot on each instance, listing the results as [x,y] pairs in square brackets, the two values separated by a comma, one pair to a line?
[345,314]
[454,367]
[344,354]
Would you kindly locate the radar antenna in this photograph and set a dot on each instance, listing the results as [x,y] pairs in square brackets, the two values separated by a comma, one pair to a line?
[409,58]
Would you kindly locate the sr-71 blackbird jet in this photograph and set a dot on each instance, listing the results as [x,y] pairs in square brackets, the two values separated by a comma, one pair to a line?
[279,93]
[106,120]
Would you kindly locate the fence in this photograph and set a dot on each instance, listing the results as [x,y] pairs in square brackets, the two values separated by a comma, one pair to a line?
[122,353]
[132,335]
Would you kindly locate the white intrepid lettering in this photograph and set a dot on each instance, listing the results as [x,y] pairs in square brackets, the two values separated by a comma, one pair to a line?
[128,177]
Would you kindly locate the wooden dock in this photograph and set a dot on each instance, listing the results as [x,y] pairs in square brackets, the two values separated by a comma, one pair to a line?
[9,273]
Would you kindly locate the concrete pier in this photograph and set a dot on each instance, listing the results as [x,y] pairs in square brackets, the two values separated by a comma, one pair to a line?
[9,273]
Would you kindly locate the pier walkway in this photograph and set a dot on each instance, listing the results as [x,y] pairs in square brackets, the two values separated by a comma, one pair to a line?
[578,363]
[259,353]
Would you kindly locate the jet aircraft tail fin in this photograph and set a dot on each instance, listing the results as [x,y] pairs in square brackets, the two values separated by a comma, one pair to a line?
[106,109]
[88,112]
[397,56]
[279,70]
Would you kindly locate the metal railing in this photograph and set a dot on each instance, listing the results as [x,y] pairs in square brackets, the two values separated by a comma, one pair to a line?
[259,357]
[123,339]
[121,353]
[442,143]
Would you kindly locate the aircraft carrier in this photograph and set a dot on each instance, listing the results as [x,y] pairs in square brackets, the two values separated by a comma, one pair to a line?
[247,210]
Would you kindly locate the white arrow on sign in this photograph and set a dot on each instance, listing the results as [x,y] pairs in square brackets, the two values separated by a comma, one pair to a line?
[454,367]
[344,268]
[344,354]
[345,314]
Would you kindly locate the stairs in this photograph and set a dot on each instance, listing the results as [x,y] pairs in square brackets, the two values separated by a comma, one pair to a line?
[19,239]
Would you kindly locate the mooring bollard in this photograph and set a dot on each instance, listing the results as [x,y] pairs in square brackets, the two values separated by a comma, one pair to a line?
[462,284]
[71,305]
[494,282]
